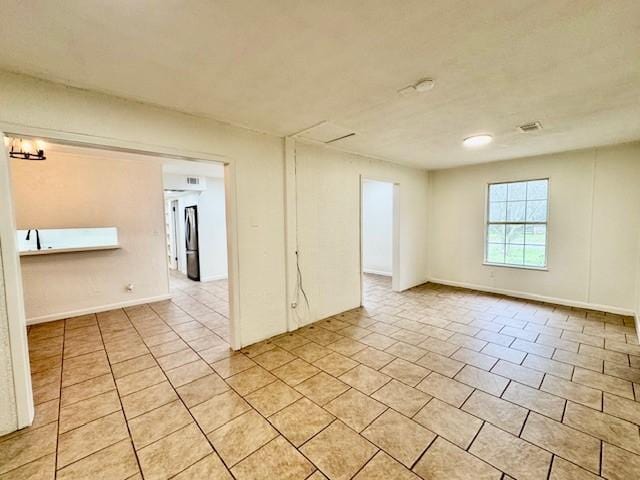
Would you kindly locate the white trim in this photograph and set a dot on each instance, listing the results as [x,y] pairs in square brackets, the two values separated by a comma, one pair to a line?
[213,278]
[538,298]
[291,232]
[360,237]
[14,296]
[521,267]
[487,223]
[377,272]
[395,262]
[233,257]
[637,321]
[101,308]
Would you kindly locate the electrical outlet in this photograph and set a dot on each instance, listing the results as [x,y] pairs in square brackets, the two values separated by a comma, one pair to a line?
[130,287]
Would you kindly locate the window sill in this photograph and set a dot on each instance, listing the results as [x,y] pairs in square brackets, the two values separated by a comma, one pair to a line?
[519,267]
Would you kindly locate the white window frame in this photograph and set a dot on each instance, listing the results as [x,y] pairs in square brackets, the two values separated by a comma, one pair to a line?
[487,223]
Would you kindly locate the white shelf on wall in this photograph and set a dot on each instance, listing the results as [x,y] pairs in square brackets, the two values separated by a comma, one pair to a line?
[66,240]
[50,251]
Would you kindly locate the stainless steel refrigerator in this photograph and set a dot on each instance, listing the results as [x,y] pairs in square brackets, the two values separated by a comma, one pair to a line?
[191,239]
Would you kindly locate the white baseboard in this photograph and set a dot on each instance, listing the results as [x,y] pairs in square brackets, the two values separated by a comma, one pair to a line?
[538,298]
[213,278]
[97,309]
[637,319]
[376,272]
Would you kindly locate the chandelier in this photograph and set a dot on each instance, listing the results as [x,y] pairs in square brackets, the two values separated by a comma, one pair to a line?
[26,149]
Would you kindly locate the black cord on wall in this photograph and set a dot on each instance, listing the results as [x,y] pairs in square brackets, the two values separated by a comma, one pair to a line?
[299,284]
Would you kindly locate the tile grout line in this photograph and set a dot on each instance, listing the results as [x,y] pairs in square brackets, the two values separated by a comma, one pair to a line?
[524,423]
[188,410]
[553,457]
[601,457]
[64,338]
[118,394]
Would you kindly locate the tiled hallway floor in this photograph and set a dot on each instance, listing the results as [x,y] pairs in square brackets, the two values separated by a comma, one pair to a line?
[191,296]
[433,383]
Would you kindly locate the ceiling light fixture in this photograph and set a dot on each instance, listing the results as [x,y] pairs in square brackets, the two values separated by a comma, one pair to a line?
[25,150]
[477,140]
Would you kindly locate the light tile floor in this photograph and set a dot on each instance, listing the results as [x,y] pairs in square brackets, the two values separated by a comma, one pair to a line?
[433,383]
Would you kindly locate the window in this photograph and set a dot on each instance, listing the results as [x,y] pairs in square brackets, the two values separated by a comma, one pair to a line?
[517,224]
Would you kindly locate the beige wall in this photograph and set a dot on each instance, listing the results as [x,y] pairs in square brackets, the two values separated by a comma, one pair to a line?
[328,193]
[212,231]
[257,159]
[594,217]
[8,417]
[77,187]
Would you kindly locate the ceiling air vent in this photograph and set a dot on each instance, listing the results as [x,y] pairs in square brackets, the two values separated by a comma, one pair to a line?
[530,127]
[193,180]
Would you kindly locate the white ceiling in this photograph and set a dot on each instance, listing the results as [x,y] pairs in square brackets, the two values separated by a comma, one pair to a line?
[282,66]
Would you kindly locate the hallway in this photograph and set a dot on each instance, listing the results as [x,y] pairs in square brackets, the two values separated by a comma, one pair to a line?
[208,302]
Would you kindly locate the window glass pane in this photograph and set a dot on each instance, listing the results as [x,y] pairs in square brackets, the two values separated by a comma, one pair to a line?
[537,211]
[537,190]
[517,191]
[536,235]
[495,234]
[495,252]
[497,211]
[498,192]
[515,211]
[534,255]
[514,254]
[523,206]
[515,234]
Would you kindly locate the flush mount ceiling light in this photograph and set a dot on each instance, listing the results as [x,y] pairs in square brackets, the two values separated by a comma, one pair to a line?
[477,141]
[27,150]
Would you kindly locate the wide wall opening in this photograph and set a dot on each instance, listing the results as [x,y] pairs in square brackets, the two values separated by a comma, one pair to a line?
[103,266]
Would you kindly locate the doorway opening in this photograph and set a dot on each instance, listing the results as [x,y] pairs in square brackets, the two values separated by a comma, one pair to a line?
[196,233]
[378,239]
[85,257]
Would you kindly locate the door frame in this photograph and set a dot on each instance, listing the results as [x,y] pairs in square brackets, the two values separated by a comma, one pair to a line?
[395,238]
[11,260]
[14,300]
[175,206]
